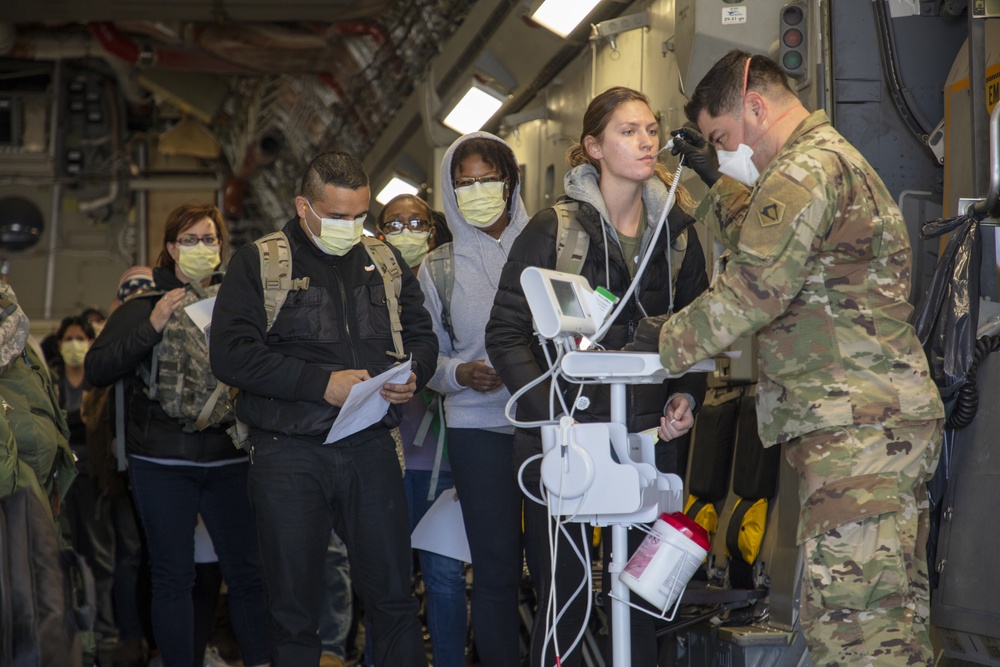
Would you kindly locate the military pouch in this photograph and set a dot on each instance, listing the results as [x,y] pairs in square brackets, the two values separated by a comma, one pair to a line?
[240,433]
[859,565]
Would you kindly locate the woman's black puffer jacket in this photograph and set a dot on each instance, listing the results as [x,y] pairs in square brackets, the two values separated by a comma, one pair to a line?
[516,354]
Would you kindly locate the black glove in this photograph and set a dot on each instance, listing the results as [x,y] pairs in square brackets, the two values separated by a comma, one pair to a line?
[647,334]
[698,154]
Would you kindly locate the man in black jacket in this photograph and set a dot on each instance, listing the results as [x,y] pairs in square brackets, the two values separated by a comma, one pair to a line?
[293,378]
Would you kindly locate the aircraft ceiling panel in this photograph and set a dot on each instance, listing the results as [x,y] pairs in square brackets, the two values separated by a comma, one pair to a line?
[192,10]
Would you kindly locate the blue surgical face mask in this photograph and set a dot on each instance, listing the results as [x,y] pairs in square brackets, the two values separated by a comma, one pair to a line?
[337,236]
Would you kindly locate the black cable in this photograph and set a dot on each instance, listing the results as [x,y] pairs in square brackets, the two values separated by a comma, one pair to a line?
[912,118]
[967,402]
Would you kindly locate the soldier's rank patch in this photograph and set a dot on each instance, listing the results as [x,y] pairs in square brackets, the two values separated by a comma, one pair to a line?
[771,213]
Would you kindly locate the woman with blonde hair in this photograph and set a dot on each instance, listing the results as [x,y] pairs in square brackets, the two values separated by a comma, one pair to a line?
[612,184]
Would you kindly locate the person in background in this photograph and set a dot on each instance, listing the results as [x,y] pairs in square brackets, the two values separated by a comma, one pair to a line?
[49,345]
[293,379]
[124,540]
[96,318]
[820,270]
[84,517]
[620,193]
[74,336]
[407,223]
[481,190]
[176,471]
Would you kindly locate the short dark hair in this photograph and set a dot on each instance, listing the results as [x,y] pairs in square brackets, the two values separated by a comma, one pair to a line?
[87,312]
[77,320]
[341,170]
[720,92]
[493,152]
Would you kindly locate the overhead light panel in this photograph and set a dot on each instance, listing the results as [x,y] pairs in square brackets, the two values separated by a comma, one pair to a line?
[562,16]
[395,187]
[477,106]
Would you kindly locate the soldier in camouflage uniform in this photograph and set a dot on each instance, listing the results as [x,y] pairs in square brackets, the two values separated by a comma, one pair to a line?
[819,268]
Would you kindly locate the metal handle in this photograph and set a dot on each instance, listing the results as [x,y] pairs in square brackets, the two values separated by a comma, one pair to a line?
[989,207]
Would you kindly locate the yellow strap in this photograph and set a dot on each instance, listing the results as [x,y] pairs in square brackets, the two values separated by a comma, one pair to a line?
[209,407]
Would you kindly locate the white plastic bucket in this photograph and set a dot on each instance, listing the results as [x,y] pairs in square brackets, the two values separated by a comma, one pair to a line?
[666,560]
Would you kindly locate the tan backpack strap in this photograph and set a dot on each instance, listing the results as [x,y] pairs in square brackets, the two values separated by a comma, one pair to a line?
[276,273]
[209,407]
[392,277]
[572,242]
[196,287]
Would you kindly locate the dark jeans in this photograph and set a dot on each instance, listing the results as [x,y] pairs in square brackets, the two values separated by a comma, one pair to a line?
[491,508]
[128,558]
[444,578]
[169,499]
[85,519]
[300,491]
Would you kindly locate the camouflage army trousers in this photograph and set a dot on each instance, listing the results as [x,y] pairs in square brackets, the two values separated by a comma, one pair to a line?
[863,528]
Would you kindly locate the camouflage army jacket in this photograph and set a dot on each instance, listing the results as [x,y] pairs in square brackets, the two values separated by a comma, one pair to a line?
[819,268]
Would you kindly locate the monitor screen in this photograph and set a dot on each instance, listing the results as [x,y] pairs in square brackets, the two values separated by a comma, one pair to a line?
[569,304]
[559,302]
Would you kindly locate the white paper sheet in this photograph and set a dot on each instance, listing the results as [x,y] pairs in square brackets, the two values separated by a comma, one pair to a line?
[442,530]
[200,313]
[364,405]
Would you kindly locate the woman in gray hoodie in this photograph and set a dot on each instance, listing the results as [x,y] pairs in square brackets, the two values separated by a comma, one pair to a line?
[620,193]
[481,189]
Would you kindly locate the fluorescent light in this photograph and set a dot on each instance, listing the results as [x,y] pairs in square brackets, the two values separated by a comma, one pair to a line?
[475,108]
[395,187]
[561,16]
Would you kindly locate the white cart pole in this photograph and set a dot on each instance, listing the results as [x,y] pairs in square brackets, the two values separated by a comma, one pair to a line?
[620,617]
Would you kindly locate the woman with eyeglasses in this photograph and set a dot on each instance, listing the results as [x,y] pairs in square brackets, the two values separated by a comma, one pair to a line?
[177,471]
[481,190]
[408,223]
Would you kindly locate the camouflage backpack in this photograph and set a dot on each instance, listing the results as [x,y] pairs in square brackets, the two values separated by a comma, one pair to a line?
[180,375]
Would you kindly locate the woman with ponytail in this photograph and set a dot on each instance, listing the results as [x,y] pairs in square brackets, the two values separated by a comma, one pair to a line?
[618,199]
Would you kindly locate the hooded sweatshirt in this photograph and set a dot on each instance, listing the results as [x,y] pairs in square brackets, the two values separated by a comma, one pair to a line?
[514,349]
[582,183]
[479,259]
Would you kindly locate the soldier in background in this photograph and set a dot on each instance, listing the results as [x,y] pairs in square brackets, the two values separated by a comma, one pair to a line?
[819,269]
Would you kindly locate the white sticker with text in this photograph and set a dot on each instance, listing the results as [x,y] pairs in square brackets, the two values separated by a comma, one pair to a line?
[733,15]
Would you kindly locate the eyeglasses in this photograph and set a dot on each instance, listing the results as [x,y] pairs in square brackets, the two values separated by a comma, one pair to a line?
[191,239]
[466,182]
[390,227]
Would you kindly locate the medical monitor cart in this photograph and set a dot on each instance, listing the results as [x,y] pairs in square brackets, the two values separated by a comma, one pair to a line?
[577,464]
